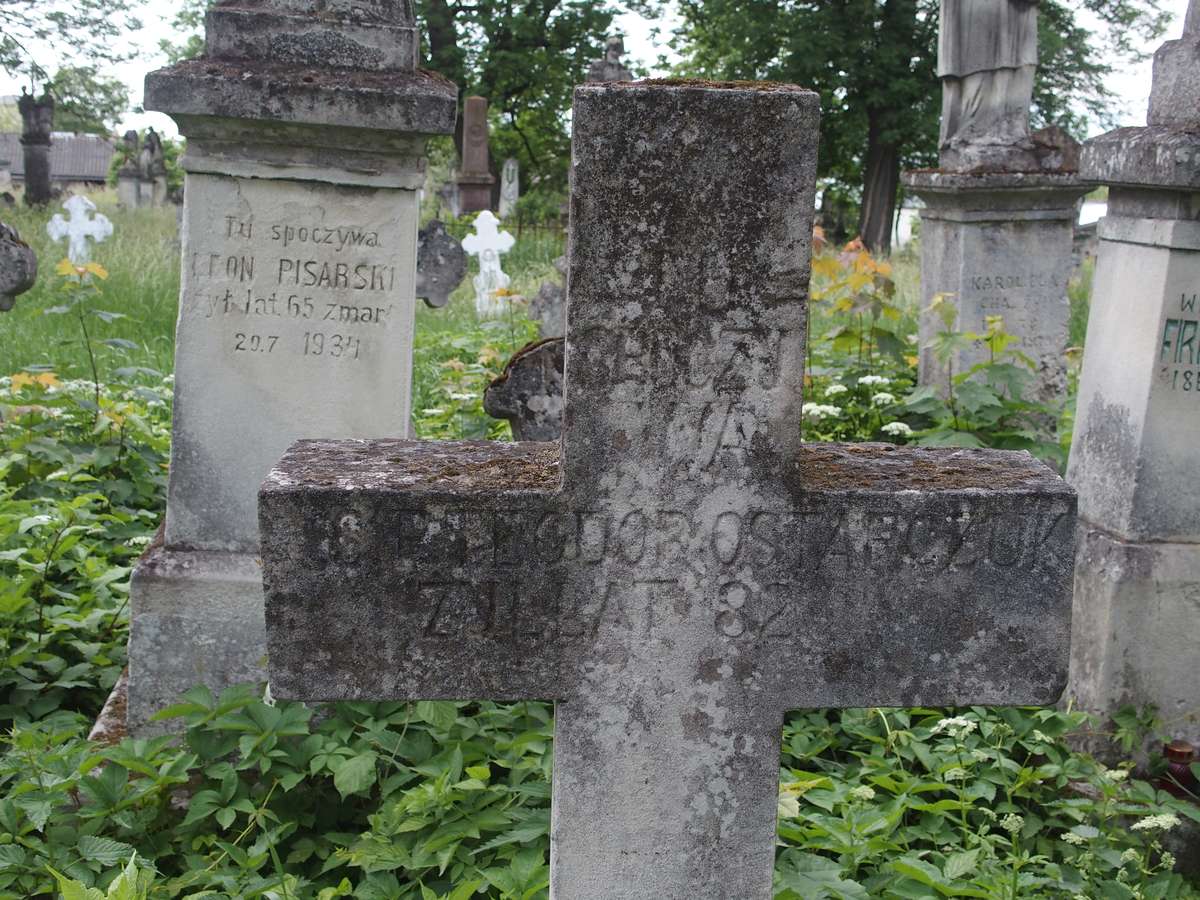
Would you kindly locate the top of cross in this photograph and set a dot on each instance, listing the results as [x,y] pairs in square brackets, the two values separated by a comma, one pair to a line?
[487,236]
[80,226]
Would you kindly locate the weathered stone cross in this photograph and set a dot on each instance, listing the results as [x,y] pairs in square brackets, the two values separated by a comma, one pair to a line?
[81,226]
[684,571]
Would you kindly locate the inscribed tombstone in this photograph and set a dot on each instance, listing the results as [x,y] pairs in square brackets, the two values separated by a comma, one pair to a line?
[475,180]
[297,298]
[685,570]
[1137,580]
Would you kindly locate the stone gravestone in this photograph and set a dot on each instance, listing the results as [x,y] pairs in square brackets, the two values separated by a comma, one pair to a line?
[153,188]
[297,298]
[510,188]
[474,179]
[441,264]
[997,226]
[129,174]
[549,305]
[18,267]
[82,226]
[37,123]
[529,393]
[685,569]
[488,243]
[1137,583]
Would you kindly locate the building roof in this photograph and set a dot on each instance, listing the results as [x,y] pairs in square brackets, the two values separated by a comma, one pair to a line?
[73,157]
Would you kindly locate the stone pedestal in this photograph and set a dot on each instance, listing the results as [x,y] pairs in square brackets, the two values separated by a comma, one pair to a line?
[999,244]
[296,310]
[1137,586]
[128,190]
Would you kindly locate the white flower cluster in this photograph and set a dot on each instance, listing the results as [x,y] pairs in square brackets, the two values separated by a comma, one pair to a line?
[1116,776]
[834,389]
[956,727]
[1130,856]
[897,429]
[874,379]
[1012,823]
[1073,839]
[818,411]
[883,398]
[1161,822]
[863,792]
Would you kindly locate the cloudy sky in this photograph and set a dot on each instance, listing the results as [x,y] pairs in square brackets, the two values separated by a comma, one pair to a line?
[643,46]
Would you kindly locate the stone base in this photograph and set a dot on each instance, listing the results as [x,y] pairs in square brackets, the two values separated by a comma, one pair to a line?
[999,244]
[474,196]
[1136,609]
[196,618]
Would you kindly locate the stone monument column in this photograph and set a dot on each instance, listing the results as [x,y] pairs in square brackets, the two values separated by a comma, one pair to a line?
[306,125]
[474,180]
[999,214]
[37,119]
[1137,581]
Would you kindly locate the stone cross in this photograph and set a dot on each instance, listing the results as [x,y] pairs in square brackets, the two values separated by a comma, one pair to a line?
[487,243]
[82,224]
[683,570]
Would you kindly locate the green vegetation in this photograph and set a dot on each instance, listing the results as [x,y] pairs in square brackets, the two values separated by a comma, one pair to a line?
[447,801]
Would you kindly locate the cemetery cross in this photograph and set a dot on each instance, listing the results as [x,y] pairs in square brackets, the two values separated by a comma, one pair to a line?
[686,570]
[82,223]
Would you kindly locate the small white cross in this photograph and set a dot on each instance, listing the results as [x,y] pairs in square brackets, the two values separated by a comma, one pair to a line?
[488,243]
[78,228]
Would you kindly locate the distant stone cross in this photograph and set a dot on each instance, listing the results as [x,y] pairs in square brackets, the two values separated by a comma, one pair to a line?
[81,226]
[684,570]
[488,242]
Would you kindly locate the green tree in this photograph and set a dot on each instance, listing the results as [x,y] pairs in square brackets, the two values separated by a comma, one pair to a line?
[526,59]
[874,64]
[77,32]
[88,101]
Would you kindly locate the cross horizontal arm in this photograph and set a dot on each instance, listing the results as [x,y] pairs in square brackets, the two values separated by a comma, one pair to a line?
[882,576]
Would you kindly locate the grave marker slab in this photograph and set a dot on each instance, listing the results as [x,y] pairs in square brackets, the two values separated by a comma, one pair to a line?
[1133,456]
[684,570]
[299,242]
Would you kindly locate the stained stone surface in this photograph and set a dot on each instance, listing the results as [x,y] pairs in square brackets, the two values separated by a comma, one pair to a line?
[529,393]
[999,244]
[1132,459]
[18,267]
[306,122]
[684,570]
[441,264]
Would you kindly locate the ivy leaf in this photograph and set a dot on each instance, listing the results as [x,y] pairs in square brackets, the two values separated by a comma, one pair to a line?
[441,714]
[810,875]
[959,865]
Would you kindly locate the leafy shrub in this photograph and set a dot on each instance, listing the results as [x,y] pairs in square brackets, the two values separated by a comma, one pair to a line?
[82,487]
[446,801]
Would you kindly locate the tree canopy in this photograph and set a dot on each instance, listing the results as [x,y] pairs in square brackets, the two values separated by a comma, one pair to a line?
[526,59]
[41,36]
[874,64]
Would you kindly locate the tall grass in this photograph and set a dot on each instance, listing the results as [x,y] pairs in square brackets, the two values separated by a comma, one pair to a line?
[142,258]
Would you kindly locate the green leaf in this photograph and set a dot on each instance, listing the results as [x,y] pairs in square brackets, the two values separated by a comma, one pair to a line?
[961,864]
[74,890]
[356,774]
[441,714]
[813,876]
[103,850]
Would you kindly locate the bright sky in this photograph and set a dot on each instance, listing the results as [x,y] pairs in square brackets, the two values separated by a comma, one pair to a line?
[642,44]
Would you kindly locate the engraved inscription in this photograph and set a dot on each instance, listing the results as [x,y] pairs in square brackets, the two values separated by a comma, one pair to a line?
[1179,349]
